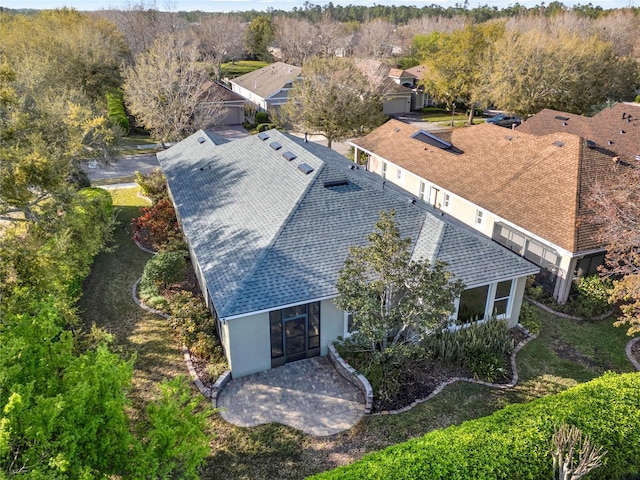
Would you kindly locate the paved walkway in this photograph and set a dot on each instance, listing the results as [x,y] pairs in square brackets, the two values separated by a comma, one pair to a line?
[308,395]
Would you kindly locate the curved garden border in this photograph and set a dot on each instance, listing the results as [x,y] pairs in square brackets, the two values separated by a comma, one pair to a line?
[630,356]
[566,315]
[209,393]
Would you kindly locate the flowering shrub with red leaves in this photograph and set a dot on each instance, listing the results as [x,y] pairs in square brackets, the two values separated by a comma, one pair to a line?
[158,229]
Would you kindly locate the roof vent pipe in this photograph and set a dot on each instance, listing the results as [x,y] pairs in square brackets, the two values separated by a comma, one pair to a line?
[305,137]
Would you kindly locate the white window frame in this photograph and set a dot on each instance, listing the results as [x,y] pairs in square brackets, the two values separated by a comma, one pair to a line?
[433,195]
[384,169]
[347,333]
[479,220]
[509,299]
[399,174]
[423,189]
[446,200]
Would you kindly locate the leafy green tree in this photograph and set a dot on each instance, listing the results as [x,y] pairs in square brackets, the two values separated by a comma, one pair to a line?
[258,36]
[566,72]
[333,98]
[394,298]
[454,62]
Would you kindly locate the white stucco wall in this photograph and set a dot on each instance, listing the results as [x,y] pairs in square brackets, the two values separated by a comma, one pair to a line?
[331,324]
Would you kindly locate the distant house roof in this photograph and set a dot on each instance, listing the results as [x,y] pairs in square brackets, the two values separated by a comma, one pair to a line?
[536,182]
[399,73]
[268,80]
[616,129]
[269,230]
[214,91]
[417,72]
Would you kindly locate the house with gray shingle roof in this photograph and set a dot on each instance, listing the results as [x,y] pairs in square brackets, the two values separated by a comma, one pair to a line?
[268,86]
[269,220]
[526,192]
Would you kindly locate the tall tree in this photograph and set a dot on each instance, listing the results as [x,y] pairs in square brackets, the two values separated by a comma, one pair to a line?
[295,38]
[564,72]
[454,65]
[375,39]
[333,98]
[616,213]
[168,89]
[258,37]
[220,39]
[394,298]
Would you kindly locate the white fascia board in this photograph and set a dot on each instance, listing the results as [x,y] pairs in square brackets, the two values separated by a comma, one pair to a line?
[279,307]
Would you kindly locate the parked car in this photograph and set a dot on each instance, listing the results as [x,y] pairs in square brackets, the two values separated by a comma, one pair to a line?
[505,120]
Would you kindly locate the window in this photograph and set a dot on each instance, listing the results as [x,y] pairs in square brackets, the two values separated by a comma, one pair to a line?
[446,200]
[348,324]
[479,216]
[399,174]
[501,301]
[295,333]
[423,187]
[384,169]
[473,303]
[433,195]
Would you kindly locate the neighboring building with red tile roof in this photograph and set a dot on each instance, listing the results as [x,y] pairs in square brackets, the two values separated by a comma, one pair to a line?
[525,191]
[616,129]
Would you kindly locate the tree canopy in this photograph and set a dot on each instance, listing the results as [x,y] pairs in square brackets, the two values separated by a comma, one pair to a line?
[394,298]
[333,98]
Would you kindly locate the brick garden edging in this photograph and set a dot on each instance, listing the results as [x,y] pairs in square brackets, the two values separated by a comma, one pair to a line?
[349,373]
[630,356]
[566,315]
[209,393]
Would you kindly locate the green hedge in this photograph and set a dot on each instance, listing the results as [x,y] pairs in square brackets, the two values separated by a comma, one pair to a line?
[514,443]
[116,111]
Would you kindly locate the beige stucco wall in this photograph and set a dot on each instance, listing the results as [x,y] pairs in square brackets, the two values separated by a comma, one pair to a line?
[248,346]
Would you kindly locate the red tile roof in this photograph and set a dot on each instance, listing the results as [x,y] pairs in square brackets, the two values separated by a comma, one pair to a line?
[535,182]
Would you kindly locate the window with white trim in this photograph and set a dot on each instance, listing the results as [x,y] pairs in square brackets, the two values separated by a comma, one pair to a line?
[384,169]
[479,217]
[446,200]
[501,302]
[423,187]
[399,174]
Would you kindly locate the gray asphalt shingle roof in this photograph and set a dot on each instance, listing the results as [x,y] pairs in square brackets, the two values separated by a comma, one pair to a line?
[266,235]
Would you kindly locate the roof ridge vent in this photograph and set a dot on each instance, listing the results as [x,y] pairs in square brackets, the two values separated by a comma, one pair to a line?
[305,168]
[263,136]
[201,139]
[275,145]
[289,155]
[591,144]
[558,143]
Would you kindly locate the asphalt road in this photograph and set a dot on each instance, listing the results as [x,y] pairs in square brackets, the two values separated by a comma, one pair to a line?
[123,167]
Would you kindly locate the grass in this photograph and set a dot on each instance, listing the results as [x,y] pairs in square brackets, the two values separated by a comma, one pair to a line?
[565,353]
[443,117]
[240,67]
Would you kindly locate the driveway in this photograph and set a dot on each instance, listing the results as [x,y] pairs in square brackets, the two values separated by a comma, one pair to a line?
[308,395]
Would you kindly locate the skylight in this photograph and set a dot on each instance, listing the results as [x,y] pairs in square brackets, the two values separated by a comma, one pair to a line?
[430,139]
[560,117]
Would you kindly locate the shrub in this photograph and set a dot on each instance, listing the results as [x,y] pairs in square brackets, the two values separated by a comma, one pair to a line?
[195,326]
[165,268]
[529,318]
[593,296]
[637,100]
[514,442]
[158,227]
[262,117]
[116,112]
[153,185]
[264,126]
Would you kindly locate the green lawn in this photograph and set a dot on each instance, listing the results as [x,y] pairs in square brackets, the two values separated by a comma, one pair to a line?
[240,67]
[565,353]
[443,117]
